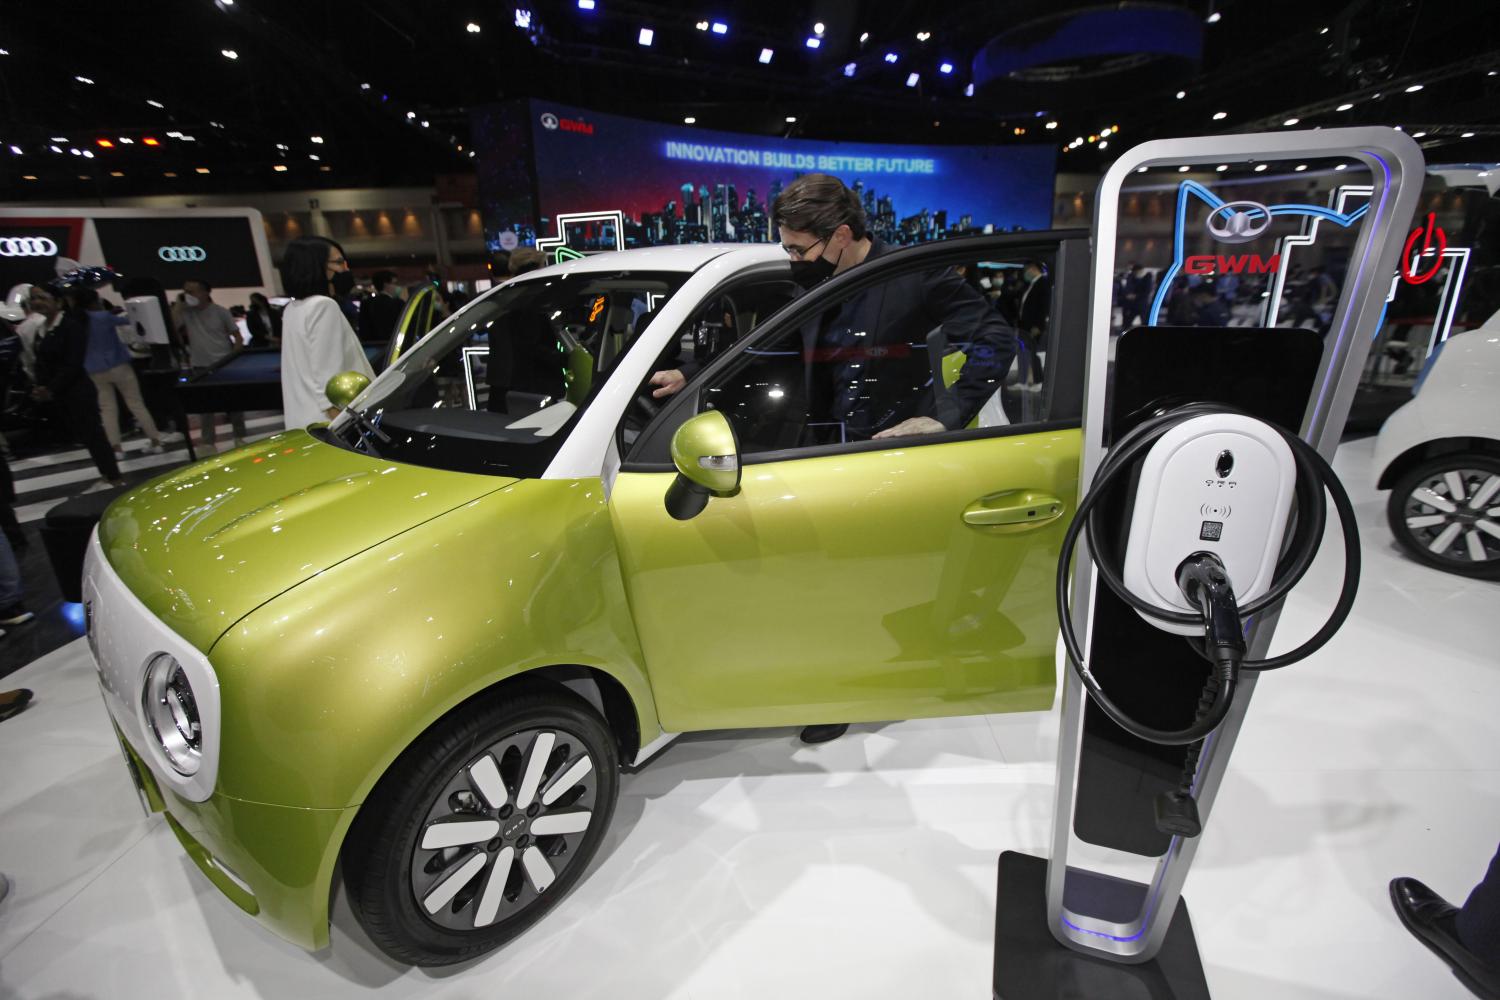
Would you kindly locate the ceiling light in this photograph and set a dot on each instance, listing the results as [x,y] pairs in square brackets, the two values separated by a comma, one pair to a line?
[1181,94]
[201,170]
[312,156]
[1103,144]
[969,90]
[1291,121]
[891,57]
[364,86]
[1418,135]
[169,173]
[125,140]
[155,104]
[523,18]
[1214,18]
[1344,107]
[117,173]
[791,119]
[1220,115]
[312,138]
[283,147]
[74,151]
[325,168]
[1342,166]
[426,123]
[719,28]
[946,67]
[1052,124]
[849,69]
[1093,138]
[24,177]
[1323,31]
[16,150]
[813,41]
[818,28]
[1182,170]
[55,149]
[922,36]
[84,79]
[865,37]
[6,52]
[1221,167]
[646,36]
[766,55]
[105,143]
[229,53]
[911,81]
[150,141]
[1466,135]
[1259,167]
[1414,88]
[472,28]
[690,120]
[187,138]
[702,25]
[1141,170]
[585,4]
[411,115]
[1301,166]
[88,154]
[280,168]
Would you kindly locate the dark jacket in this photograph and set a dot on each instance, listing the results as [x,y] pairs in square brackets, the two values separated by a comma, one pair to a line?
[378,316]
[870,360]
[1036,303]
[60,354]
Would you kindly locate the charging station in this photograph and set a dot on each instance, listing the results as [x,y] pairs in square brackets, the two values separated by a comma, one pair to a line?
[1204,465]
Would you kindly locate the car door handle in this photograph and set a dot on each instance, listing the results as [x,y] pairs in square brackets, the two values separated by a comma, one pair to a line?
[1013,507]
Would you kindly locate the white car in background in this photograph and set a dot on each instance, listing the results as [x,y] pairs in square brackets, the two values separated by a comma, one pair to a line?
[1439,455]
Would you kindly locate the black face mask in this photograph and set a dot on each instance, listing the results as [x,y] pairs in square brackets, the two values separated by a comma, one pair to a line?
[343,283]
[810,273]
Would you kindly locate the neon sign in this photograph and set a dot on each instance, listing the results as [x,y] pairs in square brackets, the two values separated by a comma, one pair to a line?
[557,245]
[1246,263]
[1411,256]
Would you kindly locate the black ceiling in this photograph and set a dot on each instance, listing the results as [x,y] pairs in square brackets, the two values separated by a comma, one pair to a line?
[364,75]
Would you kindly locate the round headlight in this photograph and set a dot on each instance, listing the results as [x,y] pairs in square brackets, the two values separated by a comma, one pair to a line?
[171,714]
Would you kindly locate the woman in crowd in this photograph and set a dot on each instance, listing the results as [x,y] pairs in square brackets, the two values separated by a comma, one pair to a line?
[317,342]
[61,347]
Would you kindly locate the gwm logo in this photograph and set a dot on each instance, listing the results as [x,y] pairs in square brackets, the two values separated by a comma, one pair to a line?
[1235,222]
[553,123]
[27,246]
[182,255]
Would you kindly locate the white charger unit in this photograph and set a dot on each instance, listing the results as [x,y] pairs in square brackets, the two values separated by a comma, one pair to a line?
[1219,483]
[145,312]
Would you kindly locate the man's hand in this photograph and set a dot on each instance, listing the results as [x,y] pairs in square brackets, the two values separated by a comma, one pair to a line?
[670,382]
[912,425]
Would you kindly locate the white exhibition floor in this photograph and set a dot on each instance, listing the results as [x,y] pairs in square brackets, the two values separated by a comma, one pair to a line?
[746,865]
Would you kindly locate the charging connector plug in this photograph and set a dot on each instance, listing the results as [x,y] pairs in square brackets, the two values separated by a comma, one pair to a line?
[1206,585]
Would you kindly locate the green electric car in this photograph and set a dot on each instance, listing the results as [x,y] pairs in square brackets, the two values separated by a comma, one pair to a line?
[424,642]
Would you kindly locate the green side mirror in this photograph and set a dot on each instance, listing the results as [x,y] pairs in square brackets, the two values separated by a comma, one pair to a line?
[707,456]
[343,387]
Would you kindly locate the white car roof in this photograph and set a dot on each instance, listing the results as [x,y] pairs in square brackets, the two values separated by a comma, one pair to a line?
[685,258]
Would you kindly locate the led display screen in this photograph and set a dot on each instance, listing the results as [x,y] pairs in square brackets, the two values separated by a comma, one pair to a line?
[217,249]
[678,184]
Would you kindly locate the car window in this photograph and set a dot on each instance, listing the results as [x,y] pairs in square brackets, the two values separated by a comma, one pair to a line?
[924,353]
[496,387]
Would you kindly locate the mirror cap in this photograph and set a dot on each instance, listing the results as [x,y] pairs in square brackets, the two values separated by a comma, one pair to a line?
[707,453]
[344,387]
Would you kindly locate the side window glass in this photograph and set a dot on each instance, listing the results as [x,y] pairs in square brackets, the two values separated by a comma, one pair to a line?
[924,353]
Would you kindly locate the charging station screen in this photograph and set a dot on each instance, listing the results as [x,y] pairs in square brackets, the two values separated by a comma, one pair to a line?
[679,184]
[217,249]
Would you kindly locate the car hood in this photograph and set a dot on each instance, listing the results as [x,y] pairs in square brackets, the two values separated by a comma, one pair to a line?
[208,544]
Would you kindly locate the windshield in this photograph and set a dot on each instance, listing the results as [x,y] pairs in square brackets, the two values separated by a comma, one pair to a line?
[497,388]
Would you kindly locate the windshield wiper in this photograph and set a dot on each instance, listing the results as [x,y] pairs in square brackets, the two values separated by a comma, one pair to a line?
[365,424]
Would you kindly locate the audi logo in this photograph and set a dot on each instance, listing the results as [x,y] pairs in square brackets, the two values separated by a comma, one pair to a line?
[182,255]
[1238,221]
[27,246]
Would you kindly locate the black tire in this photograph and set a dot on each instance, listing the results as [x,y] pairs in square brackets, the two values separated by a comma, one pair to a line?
[1450,539]
[395,875]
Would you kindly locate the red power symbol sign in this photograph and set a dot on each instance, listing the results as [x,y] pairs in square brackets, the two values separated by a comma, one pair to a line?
[1410,255]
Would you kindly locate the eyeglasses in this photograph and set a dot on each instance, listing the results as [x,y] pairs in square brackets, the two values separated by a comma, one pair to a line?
[337,262]
[801,253]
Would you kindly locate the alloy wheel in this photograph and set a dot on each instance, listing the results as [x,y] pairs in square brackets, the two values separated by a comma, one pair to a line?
[1455,515]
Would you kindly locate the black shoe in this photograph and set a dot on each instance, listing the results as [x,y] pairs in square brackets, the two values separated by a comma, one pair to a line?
[14,615]
[824,733]
[11,702]
[1430,918]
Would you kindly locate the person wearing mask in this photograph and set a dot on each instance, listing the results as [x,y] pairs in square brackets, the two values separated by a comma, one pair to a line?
[212,339]
[823,229]
[1036,305]
[108,364]
[60,376]
[317,342]
[380,313]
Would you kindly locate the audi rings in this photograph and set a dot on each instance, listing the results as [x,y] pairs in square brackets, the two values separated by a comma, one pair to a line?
[27,246]
[182,255]
[1238,221]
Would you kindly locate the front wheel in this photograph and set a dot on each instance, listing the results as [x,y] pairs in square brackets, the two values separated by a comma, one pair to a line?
[1446,513]
[481,827]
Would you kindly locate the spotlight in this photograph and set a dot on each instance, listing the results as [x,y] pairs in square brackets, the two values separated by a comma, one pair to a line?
[88,154]
[1410,90]
[1345,107]
[1466,135]
[318,139]
[1182,170]
[1214,18]
[646,36]
[155,104]
[313,156]
[1102,144]
[364,86]
[117,173]
[523,18]
[1220,115]
[1291,121]
[229,54]
[1141,170]
[766,55]
[410,115]
[125,140]
[946,67]
[149,141]
[16,150]
[690,120]
[1052,125]
[280,168]
[1259,167]
[1181,94]
[813,41]
[922,36]
[1342,166]
[911,81]
[791,119]
[719,28]
[865,37]
[283,147]
[585,4]
[1323,31]
[702,25]
[1301,166]
[105,143]
[818,28]
[1418,135]
[84,79]
[891,57]
[849,69]
[1222,167]
[969,90]
[201,170]
[472,28]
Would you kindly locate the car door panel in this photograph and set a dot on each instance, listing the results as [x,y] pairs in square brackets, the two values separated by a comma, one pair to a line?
[850,587]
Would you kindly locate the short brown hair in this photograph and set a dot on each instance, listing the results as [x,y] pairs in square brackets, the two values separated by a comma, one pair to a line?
[818,203]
